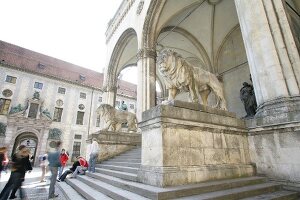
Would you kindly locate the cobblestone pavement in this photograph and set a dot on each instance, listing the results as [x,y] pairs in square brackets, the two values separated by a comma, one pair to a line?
[32,186]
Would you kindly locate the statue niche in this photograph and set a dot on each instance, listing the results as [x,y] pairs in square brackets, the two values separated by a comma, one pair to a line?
[179,75]
[114,118]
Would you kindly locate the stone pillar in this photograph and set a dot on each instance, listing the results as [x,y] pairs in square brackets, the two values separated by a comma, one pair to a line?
[109,86]
[146,65]
[272,54]
[109,95]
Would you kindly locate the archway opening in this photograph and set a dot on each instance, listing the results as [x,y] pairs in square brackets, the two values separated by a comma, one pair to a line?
[30,140]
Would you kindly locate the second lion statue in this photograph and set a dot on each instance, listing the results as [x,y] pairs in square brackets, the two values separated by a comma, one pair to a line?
[115,118]
[180,75]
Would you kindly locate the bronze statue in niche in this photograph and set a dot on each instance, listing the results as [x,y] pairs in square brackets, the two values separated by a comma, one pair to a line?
[248,98]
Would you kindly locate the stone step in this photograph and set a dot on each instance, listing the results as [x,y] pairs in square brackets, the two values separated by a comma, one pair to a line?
[129,157]
[126,164]
[132,160]
[85,190]
[123,175]
[109,190]
[279,195]
[69,192]
[237,193]
[133,170]
[152,192]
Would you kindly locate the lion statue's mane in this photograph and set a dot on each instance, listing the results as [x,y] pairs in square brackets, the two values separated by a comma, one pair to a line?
[115,118]
[180,75]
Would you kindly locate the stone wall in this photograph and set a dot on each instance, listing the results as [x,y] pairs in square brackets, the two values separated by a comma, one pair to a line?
[275,150]
[188,143]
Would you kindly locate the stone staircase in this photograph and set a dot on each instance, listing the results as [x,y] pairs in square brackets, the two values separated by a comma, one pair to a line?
[117,179]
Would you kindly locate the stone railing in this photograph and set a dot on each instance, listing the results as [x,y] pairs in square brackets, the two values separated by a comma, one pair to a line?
[114,143]
[118,18]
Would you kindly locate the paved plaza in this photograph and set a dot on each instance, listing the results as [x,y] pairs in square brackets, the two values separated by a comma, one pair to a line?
[32,186]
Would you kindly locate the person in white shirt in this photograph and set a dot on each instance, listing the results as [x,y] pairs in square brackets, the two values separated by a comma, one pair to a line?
[94,151]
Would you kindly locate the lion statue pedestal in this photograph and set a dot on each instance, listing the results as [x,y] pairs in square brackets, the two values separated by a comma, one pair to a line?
[189,143]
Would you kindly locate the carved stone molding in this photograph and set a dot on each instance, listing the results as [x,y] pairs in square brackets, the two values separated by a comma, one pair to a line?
[151,19]
[278,111]
[146,53]
[140,7]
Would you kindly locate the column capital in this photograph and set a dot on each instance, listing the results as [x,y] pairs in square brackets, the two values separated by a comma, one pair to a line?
[109,88]
[146,53]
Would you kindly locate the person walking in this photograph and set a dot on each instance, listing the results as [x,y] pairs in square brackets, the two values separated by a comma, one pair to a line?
[43,165]
[94,152]
[63,157]
[20,165]
[3,159]
[54,163]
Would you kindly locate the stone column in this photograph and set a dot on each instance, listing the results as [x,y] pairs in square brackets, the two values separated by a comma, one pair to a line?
[272,55]
[146,65]
[109,95]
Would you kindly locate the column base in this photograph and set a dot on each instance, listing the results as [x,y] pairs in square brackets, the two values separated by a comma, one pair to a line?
[279,111]
[172,176]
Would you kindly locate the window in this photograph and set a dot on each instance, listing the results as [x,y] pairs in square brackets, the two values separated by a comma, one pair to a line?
[81,107]
[41,66]
[61,90]
[38,85]
[98,121]
[100,99]
[82,95]
[131,106]
[81,77]
[4,106]
[79,119]
[33,110]
[78,137]
[76,150]
[57,114]
[11,79]
[7,93]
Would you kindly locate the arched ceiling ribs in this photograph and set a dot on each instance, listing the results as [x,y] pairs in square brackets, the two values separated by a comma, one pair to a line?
[222,45]
[194,41]
[110,79]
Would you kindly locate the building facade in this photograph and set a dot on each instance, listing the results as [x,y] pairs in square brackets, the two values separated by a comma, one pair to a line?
[44,99]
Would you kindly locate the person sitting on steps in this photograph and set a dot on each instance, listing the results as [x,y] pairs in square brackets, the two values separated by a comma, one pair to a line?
[79,166]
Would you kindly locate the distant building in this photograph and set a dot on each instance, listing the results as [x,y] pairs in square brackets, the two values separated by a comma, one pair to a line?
[43,99]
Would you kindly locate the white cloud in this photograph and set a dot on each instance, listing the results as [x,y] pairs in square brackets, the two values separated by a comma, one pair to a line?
[70,30]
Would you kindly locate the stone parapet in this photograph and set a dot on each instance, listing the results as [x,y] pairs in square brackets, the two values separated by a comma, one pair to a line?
[189,143]
[114,143]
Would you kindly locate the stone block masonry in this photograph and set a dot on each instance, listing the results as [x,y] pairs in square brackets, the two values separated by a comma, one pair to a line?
[187,143]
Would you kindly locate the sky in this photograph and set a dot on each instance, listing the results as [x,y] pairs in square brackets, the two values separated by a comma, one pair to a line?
[70,30]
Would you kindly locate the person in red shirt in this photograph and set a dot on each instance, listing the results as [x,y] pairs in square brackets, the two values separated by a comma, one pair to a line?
[82,168]
[63,158]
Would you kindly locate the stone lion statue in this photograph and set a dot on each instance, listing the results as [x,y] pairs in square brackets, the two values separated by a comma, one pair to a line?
[179,75]
[115,118]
